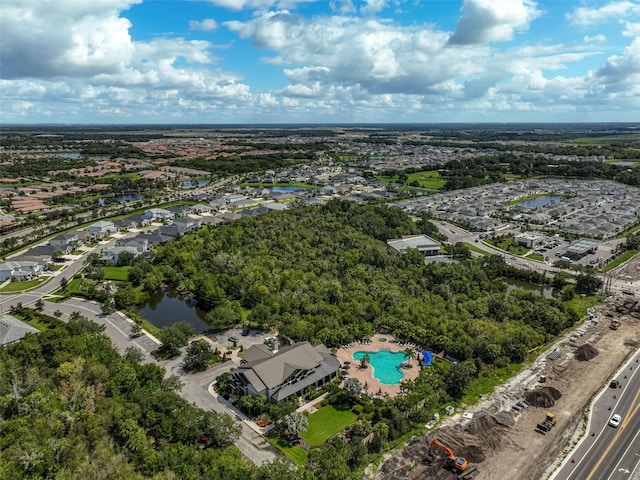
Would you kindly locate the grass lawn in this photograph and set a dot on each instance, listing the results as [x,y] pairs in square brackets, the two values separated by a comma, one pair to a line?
[620,260]
[488,380]
[475,248]
[536,256]
[118,274]
[580,305]
[327,422]
[297,454]
[430,179]
[26,285]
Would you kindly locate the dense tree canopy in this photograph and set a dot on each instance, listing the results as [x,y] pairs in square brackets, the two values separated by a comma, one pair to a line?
[72,407]
[326,275]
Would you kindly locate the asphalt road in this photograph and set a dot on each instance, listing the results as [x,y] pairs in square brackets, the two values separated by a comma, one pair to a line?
[608,453]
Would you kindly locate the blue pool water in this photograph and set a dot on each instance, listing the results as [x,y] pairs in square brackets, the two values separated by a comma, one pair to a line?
[386,365]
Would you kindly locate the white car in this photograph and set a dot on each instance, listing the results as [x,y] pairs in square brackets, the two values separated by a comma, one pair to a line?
[615,421]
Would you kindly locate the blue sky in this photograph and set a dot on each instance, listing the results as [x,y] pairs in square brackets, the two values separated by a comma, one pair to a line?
[330,61]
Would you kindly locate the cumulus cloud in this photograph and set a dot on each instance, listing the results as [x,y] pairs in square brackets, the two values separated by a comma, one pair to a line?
[485,21]
[631,29]
[66,37]
[373,6]
[205,25]
[589,16]
[622,69]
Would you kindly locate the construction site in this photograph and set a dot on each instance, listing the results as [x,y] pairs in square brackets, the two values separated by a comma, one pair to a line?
[523,429]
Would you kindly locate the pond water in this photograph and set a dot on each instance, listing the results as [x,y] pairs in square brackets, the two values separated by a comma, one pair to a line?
[124,198]
[512,285]
[194,183]
[386,365]
[540,201]
[73,156]
[285,189]
[164,308]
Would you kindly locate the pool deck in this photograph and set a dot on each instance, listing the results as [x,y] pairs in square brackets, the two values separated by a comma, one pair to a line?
[345,354]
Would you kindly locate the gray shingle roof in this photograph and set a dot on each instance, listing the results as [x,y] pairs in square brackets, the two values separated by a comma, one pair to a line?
[12,329]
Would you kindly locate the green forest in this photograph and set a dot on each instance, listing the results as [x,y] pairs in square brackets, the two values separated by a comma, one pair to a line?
[71,407]
[326,275]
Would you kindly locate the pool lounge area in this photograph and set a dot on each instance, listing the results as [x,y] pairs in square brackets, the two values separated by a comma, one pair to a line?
[386,355]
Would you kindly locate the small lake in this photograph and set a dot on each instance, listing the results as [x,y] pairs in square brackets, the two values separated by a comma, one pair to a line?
[73,156]
[164,308]
[539,201]
[285,189]
[124,198]
[194,183]
[512,285]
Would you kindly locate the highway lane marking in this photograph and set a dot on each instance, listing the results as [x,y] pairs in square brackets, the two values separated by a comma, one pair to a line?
[623,454]
[628,417]
[591,419]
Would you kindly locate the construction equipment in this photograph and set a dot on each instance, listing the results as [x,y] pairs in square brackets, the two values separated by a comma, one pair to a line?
[614,324]
[457,464]
[548,423]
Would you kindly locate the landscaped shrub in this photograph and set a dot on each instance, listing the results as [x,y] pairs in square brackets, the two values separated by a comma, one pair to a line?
[357,409]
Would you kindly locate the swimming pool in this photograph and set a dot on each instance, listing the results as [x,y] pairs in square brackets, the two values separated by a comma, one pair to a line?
[386,365]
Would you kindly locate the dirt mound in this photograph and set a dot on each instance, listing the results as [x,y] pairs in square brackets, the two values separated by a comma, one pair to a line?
[542,397]
[482,425]
[505,418]
[473,454]
[586,352]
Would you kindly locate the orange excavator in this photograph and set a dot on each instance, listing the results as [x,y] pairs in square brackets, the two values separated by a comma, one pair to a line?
[456,463]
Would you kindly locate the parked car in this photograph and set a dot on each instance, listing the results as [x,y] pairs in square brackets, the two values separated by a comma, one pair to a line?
[614,384]
[615,421]
[245,331]
[233,338]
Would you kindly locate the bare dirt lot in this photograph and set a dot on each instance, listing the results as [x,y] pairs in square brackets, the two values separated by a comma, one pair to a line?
[501,441]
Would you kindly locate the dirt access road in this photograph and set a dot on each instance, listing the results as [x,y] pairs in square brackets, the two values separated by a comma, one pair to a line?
[500,441]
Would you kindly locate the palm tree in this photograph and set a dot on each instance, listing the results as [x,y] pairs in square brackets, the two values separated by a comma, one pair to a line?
[409,354]
[365,360]
[296,423]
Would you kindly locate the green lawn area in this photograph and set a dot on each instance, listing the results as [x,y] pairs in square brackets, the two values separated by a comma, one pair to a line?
[26,285]
[327,422]
[430,179]
[297,454]
[475,248]
[580,305]
[74,286]
[488,380]
[620,260]
[536,256]
[118,274]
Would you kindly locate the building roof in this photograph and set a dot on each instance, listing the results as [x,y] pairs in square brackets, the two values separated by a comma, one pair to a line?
[12,329]
[421,242]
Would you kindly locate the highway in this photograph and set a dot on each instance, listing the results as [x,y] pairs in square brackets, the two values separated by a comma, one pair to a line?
[605,452]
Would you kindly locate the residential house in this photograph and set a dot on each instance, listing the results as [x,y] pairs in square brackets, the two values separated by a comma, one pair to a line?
[200,209]
[19,270]
[179,211]
[102,228]
[112,254]
[13,330]
[159,214]
[43,252]
[65,242]
[283,374]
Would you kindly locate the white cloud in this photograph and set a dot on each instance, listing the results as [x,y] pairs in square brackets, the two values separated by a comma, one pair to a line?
[599,38]
[485,21]
[373,6]
[631,29]
[205,25]
[590,16]
[66,37]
